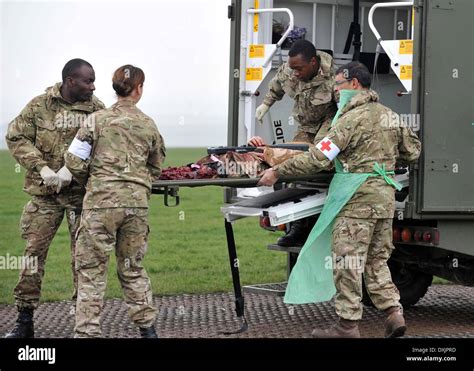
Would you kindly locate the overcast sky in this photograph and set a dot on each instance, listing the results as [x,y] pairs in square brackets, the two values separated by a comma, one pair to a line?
[182,45]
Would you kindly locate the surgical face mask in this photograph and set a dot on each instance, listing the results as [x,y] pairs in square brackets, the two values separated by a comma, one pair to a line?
[345,96]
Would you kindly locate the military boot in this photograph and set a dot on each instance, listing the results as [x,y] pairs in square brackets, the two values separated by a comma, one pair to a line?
[24,327]
[395,323]
[296,236]
[342,329]
[148,332]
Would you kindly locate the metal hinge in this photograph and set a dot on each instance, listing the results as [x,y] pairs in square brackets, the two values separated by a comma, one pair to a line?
[230,12]
[410,207]
[418,3]
[442,4]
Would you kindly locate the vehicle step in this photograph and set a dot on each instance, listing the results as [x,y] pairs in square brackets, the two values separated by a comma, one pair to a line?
[273,289]
[293,249]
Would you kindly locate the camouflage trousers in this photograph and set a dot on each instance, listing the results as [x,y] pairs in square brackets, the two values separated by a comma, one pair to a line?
[362,246]
[39,222]
[125,231]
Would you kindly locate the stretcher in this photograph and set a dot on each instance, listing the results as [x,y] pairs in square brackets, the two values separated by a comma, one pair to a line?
[300,197]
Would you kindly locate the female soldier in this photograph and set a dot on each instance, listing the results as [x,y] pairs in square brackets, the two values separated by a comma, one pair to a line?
[118,153]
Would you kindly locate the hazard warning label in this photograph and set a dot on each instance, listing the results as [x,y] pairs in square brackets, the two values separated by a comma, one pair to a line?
[406,47]
[253,74]
[405,72]
[257,51]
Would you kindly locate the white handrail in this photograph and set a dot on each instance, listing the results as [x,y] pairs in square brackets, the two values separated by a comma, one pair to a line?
[371,22]
[291,25]
[384,5]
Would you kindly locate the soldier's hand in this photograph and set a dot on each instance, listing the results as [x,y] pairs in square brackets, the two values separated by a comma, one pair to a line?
[65,178]
[50,178]
[268,178]
[261,111]
[256,142]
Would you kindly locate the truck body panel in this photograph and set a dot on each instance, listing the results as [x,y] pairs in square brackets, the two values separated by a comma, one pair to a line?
[440,194]
[445,78]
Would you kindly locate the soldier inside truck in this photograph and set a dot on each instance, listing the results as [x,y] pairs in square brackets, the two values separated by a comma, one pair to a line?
[307,77]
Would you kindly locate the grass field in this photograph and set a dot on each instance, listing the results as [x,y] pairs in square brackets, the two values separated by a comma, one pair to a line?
[187,250]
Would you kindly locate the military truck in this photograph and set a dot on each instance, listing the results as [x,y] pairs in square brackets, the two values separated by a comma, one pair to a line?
[420,54]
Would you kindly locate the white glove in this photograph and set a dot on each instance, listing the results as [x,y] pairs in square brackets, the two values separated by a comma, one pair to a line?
[50,178]
[261,111]
[65,178]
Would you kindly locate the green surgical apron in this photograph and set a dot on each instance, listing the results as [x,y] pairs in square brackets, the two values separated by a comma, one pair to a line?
[311,280]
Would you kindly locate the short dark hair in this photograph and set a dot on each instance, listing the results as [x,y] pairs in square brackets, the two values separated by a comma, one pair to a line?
[356,70]
[72,66]
[303,47]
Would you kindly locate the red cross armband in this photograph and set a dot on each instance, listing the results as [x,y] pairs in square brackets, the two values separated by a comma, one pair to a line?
[328,148]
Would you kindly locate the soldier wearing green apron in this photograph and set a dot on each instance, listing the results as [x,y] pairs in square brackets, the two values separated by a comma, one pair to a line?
[353,235]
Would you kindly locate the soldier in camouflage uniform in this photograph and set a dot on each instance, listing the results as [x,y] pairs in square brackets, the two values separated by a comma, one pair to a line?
[38,139]
[118,152]
[307,78]
[365,133]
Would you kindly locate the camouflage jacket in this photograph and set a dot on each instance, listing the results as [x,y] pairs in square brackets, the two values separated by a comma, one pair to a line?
[42,133]
[314,101]
[366,132]
[126,157]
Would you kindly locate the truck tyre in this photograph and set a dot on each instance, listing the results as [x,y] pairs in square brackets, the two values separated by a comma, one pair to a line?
[411,283]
